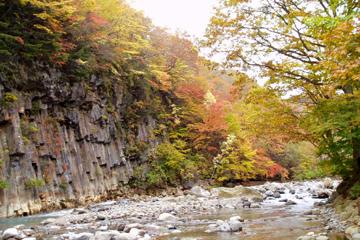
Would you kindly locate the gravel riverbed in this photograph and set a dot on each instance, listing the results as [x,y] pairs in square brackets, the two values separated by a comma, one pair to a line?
[291,210]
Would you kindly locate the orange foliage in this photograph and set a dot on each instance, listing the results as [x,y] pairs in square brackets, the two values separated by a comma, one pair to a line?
[94,21]
[277,170]
[20,40]
[213,130]
[191,91]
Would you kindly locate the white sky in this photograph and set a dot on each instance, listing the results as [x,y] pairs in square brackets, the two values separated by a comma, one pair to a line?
[191,16]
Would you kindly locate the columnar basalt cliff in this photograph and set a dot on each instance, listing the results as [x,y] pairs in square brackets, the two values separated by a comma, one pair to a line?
[64,142]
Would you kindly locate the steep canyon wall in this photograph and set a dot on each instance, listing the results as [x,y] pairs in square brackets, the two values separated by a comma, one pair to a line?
[66,141]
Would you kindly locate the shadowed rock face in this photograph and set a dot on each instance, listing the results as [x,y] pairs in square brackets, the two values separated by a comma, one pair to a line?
[67,142]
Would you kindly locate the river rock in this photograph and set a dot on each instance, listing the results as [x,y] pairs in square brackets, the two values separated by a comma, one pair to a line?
[48,221]
[322,238]
[231,225]
[277,195]
[269,193]
[355,236]
[28,232]
[328,183]
[255,205]
[81,236]
[167,217]
[290,202]
[130,226]
[11,233]
[80,211]
[352,230]
[235,224]
[113,235]
[238,191]
[199,192]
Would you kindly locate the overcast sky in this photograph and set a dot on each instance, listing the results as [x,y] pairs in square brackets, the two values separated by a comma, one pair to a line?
[191,16]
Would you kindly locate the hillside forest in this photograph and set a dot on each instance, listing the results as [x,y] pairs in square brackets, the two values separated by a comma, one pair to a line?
[214,121]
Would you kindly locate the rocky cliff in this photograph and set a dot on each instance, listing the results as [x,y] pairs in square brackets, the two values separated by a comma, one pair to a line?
[65,141]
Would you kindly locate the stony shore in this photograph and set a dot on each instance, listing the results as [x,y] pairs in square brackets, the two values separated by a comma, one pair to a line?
[166,217]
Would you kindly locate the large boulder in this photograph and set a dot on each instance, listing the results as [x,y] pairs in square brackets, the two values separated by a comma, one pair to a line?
[199,192]
[167,217]
[11,233]
[238,191]
[231,225]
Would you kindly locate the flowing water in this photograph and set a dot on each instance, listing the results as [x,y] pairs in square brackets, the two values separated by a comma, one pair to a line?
[29,221]
[273,220]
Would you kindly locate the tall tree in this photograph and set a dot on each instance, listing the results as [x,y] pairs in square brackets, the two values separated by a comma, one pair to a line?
[307,48]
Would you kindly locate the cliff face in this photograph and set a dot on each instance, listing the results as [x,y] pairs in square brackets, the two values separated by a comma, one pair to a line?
[64,141]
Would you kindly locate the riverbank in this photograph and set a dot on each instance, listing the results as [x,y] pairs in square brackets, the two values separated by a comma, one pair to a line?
[269,211]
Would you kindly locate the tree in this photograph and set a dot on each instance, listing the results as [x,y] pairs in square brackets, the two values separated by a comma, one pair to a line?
[308,49]
[41,35]
[235,161]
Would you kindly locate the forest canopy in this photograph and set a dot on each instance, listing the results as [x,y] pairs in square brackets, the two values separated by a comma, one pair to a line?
[219,125]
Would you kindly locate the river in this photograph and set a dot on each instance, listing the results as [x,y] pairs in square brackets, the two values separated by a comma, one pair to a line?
[191,213]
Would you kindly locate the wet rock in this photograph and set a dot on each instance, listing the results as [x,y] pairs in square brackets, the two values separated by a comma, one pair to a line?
[81,236]
[318,204]
[28,232]
[48,221]
[11,233]
[328,183]
[269,194]
[80,211]
[255,205]
[355,236]
[231,225]
[280,190]
[167,217]
[352,230]
[113,235]
[292,191]
[238,191]
[322,195]
[246,204]
[128,227]
[199,192]
[290,202]
[276,195]
[322,238]
[100,218]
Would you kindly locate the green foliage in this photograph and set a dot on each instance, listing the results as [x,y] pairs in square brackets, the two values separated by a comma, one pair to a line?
[64,185]
[168,166]
[3,184]
[235,162]
[337,122]
[34,183]
[317,72]
[303,161]
[34,29]
[355,191]
[8,99]
[28,130]
[36,107]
